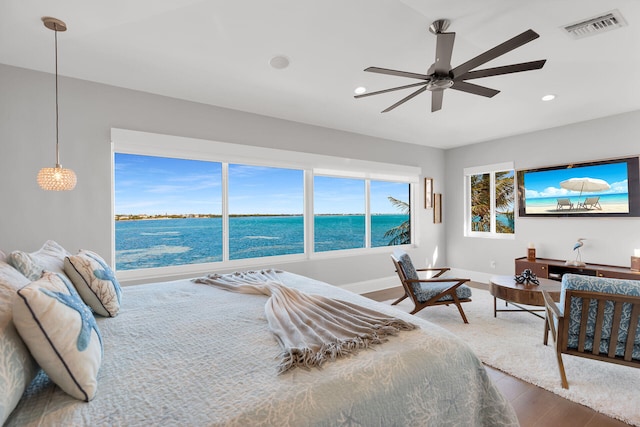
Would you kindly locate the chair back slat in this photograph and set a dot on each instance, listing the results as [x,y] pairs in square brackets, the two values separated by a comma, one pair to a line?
[583,324]
[635,317]
[597,336]
[613,341]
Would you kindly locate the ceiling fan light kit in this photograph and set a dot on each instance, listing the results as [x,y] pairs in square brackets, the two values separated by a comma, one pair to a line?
[441,75]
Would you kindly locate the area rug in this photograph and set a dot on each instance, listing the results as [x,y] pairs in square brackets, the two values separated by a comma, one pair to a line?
[512,343]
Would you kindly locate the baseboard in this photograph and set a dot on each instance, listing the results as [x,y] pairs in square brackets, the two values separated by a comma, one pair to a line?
[393,281]
[373,285]
[475,276]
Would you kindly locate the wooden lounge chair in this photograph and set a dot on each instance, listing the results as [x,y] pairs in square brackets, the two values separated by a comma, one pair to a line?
[437,290]
[562,203]
[591,203]
[605,328]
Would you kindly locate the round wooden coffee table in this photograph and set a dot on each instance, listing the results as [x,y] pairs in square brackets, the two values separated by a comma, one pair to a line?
[507,289]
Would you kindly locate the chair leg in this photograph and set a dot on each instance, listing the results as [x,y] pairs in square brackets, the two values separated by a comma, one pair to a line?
[399,299]
[462,313]
[563,376]
[456,301]
[546,330]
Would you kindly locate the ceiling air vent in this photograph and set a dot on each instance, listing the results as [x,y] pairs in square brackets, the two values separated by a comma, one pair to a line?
[598,24]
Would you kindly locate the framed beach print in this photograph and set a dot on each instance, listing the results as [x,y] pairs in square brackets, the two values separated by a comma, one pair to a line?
[437,208]
[428,193]
[600,188]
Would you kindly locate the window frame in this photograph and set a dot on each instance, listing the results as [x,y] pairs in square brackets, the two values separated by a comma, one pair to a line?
[491,170]
[150,144]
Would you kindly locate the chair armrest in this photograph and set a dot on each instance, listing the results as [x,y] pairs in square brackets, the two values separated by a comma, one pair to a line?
[551,305]
[448,279]
[441,270]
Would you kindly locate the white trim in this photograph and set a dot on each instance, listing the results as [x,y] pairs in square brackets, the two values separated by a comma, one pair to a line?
[144,143]
[135,142]
[491,170]
[372,285]
[496,167]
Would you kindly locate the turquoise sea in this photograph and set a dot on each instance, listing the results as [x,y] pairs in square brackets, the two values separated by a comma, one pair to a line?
[166,242]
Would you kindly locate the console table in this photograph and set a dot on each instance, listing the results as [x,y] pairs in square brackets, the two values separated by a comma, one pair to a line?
[554,269]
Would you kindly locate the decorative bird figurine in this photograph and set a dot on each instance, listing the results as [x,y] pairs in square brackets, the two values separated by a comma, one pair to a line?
[578,261]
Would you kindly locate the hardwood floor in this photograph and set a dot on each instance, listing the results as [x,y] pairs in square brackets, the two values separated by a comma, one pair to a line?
[535,406]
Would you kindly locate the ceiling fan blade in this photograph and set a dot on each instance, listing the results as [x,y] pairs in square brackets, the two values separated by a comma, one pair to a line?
[436,100]
[507,69]
[474,89]
[397,73]
[444,49]
[405,99]
[390,90]
[493,53]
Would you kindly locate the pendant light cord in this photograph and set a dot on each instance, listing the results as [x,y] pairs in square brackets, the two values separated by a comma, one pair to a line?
[55,30]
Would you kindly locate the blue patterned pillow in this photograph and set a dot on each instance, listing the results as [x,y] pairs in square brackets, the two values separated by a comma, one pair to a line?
[61,334]
[95,281]
[17,367]
[50,257]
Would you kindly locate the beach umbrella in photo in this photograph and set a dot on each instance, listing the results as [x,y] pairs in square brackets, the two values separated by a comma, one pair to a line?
[587,185]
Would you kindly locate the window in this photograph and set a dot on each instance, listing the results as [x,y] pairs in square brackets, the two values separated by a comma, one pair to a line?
[390,213]
[182,201]
[265,211]
[163,208]
[339,213]
[490,201]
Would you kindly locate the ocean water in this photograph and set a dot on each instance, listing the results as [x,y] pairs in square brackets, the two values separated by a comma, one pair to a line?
[166,242]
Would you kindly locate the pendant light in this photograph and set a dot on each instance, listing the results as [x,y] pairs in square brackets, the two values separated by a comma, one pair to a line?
[57,178]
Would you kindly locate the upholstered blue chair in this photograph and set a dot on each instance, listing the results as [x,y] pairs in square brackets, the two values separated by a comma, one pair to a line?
[437,290]
[608,329]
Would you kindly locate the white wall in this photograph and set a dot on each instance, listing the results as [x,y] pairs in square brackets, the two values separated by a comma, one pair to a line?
[88,111]
[609,240]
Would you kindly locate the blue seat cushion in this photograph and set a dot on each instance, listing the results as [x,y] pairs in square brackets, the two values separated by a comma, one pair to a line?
[426,291]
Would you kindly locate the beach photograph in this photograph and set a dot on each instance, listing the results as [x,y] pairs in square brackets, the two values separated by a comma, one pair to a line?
[593,189]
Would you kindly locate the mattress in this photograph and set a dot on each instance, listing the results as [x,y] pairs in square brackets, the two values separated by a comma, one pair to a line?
[182,353]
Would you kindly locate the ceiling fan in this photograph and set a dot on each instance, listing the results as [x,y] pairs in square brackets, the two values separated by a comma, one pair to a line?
[441,75]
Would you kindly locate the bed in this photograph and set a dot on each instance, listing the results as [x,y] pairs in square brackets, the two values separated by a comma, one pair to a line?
[184,353]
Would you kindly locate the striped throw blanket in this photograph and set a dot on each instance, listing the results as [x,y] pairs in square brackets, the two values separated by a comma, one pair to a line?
[311,329]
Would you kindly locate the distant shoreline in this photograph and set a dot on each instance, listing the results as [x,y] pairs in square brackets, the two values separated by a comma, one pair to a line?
[121,217]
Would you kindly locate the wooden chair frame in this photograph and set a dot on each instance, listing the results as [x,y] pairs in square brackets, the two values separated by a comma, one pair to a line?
[561,334]
[451,290]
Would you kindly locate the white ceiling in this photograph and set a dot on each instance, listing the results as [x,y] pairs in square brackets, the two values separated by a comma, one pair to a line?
[217,52]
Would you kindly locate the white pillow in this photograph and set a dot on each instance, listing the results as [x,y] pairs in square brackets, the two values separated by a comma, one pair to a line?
[49,257]
[61,334]
[17,367]
[95,282]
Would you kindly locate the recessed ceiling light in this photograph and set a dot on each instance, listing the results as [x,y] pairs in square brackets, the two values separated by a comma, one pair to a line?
[360,90]
[549,97]
[279,62]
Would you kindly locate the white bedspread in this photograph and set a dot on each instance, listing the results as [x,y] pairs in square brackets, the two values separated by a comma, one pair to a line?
[177,355]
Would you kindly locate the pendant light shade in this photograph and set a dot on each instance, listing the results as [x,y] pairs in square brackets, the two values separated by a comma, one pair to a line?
[56,178]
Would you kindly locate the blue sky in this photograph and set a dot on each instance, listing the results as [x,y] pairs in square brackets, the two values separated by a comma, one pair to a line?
[547,183]
[158,185]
